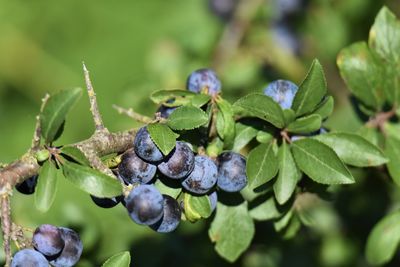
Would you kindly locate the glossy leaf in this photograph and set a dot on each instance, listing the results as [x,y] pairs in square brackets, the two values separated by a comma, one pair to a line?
[325,109]
[196,207]
[263,107]
[91,181]
[243,137]
[392,151]
[122,259]
[311,91]
[232,230]
[167,190]
[320,162]
[55,111]
[305,125]
[162,136]
[265,211]
[46,187]
[384,240]
[288,176]
[187,118]
[362,74]
[262,165]
[75,154]
[353,149]
[172,98]
[227,129]
[289,115]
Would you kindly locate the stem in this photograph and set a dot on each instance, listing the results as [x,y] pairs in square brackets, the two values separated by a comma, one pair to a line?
[38,128]
[285,136]
[6,226]
[379,120]
[98,122]
[132,114]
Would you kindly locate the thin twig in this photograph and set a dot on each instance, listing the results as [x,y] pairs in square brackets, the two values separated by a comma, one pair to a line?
[98,122]
[134,115]
[6,226]
[38,128]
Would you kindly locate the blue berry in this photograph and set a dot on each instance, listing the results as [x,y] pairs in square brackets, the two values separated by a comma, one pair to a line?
[213,200]
[72,251]
[29,258]
[203,177]
[179,163]
[106,202]
[145,148]
[204,80]
[165,111]
[133,169]
[47,240]
[282,92]
[27,187]
[145,204]
[171,217]
[231,172]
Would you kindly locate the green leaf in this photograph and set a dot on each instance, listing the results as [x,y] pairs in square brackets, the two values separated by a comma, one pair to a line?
[264,137]
[311,91]
[292,228]
[320,162]
[187,118]
[46,188]
[55,111]
[265,211]
[227,129]
[306,124]
[200,100]
[325,109]
[196,207]
[232,230]
[263,107]
[282,222]
[91,181]
[75,154]
[122,259]
[362,74]
[383,240]
[353,149]
[289,115]
[262,165]
[172,98]
[288,176]
[167,190]
[392,151]
[243,137]
[162,136]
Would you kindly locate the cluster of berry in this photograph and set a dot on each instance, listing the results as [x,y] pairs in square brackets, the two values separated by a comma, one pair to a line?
[57,246]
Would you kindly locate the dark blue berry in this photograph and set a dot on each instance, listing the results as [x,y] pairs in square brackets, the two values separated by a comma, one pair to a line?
[179,163]
[27,187]
[106,202]
[213,200]
[282,92]
[204,80]
[47,240]
[165,111]
[145,204]
[145,148]
[203,177]
[133,169]
[72,251]
[171,218]
[231,172]
[29,258]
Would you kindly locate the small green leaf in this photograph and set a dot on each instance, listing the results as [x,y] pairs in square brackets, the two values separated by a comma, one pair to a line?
[46,188]
[282,222]
[325,109]
[292,228]
[162,136]
[288,176]
[320,162]
[187,118]
[311,91]
[306,124]
[232,230]
[196,207]
[75,154]
[172,98]
[55,111]
[263,107]
[243,137]
[352,149]
[91,180]
[362,74]
[392,151]
[262,165]
[227,131]
[264,137]
[200,100]
[167,190]
[383,240]
[265,211]
[122,259]
[289,115]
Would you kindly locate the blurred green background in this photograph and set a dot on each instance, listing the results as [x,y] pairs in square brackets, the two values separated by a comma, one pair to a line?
[135,47]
